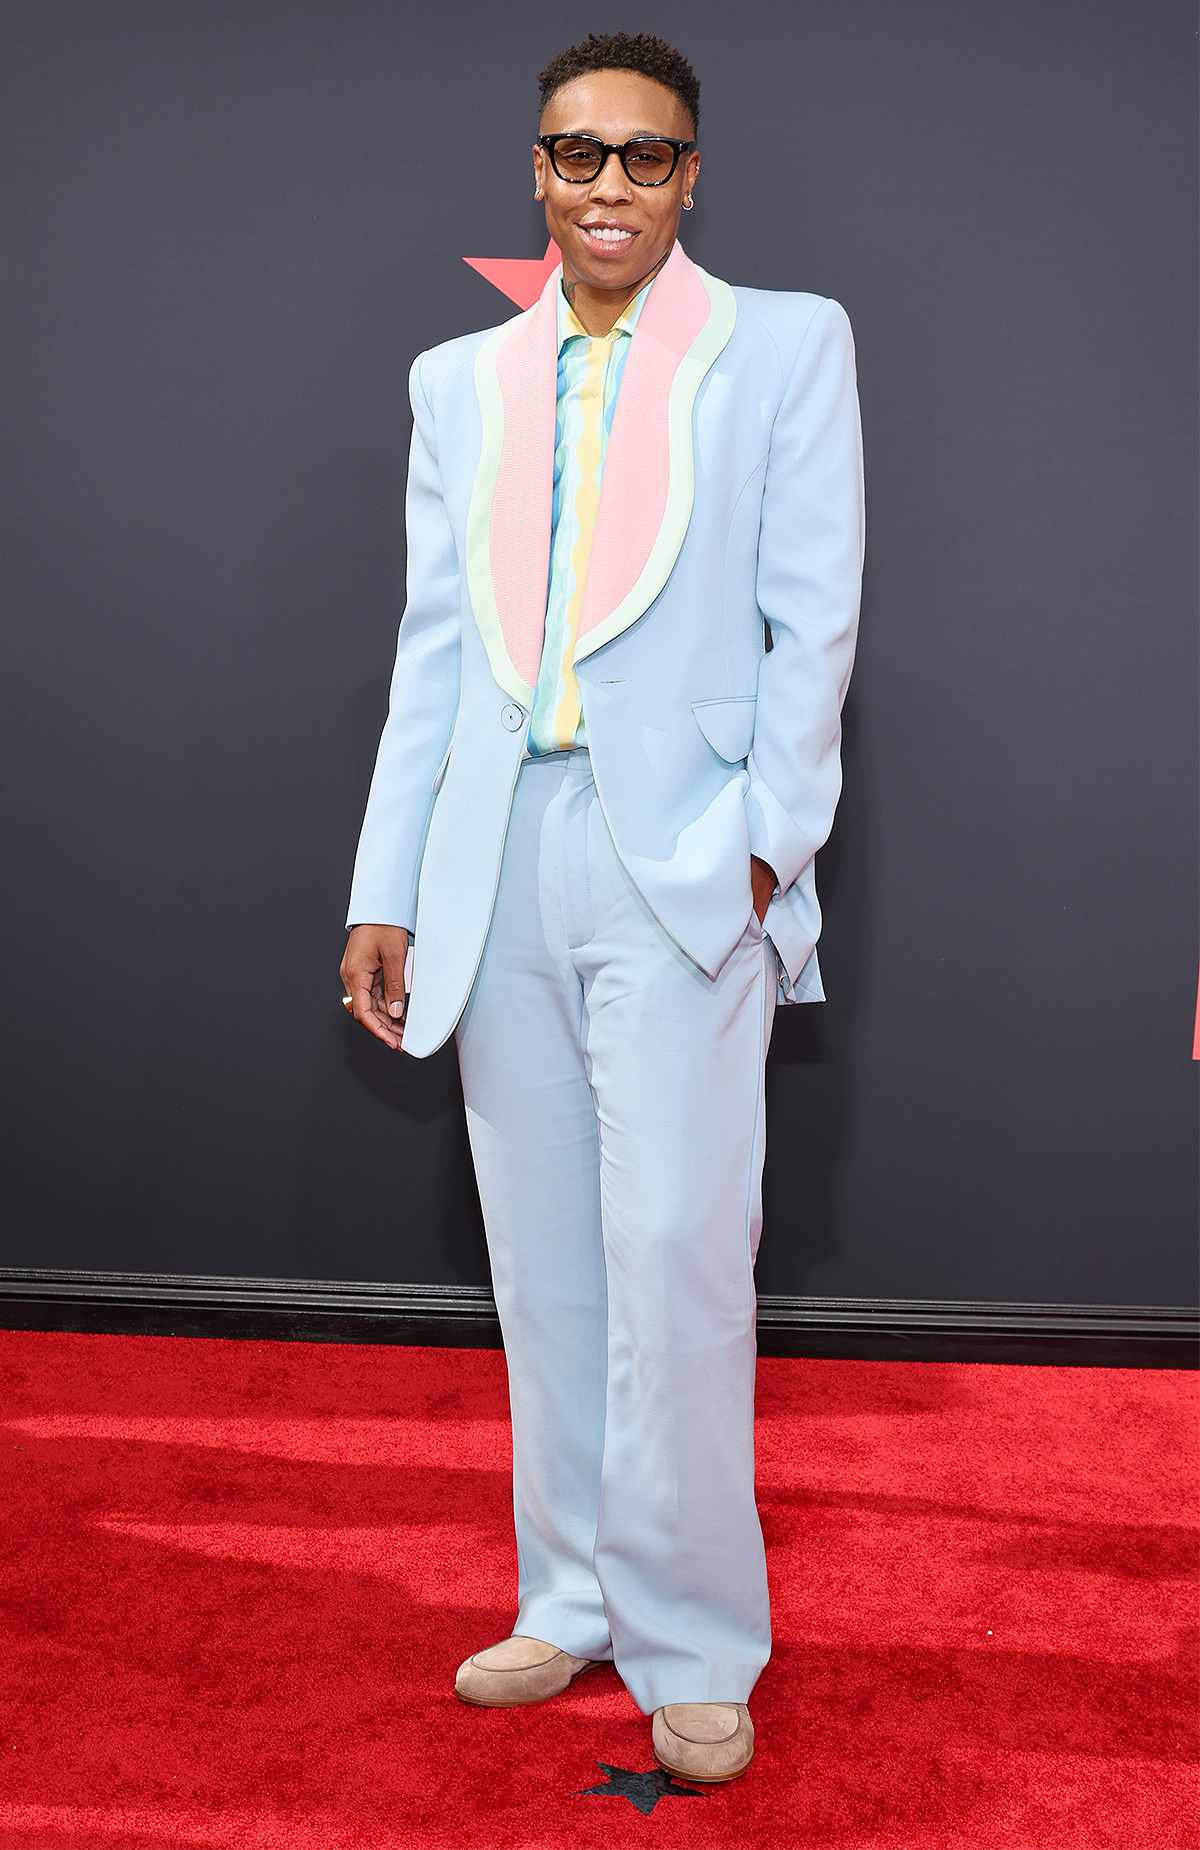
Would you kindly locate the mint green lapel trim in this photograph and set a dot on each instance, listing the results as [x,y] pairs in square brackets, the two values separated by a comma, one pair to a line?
[481,589]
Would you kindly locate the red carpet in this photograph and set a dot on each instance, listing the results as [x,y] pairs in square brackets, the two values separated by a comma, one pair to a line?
[236,1578]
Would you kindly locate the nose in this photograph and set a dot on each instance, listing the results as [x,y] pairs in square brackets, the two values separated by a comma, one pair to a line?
[612,181]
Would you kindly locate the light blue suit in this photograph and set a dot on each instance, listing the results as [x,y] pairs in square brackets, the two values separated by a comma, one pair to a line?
[585,925]
[706,746]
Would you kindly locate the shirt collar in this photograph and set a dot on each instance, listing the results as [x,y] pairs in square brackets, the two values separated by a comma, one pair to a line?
[569,323]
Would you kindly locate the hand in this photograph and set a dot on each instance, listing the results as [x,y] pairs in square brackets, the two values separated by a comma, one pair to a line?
[763,882]
[372,973]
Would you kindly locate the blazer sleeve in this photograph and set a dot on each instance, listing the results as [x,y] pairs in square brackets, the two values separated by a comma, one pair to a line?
[809,579]
[424,696]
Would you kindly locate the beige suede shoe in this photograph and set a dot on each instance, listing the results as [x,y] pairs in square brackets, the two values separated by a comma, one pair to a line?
[518,1669]
[703,1740]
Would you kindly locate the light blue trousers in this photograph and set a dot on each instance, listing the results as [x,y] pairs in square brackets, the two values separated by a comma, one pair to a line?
[615,1108]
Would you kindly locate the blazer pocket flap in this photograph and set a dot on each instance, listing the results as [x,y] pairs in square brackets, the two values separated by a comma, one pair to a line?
[728,723]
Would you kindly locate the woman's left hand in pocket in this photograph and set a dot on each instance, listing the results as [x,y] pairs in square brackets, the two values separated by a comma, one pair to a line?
[763,884]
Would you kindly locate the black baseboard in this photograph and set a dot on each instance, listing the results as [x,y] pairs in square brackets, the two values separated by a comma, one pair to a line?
[870,1329]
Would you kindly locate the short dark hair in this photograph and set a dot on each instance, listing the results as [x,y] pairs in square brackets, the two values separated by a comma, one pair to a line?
[624,51]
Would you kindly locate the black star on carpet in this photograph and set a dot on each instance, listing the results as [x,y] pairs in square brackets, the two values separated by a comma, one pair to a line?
[641,1789]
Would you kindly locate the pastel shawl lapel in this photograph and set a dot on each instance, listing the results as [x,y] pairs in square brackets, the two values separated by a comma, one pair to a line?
[649,473]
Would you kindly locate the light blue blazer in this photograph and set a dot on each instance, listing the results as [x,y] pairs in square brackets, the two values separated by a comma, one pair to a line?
[732,504]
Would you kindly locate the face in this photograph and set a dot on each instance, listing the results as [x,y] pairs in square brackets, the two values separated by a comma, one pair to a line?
[616,106]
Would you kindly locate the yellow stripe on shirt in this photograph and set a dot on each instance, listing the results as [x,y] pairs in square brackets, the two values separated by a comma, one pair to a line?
[590,368]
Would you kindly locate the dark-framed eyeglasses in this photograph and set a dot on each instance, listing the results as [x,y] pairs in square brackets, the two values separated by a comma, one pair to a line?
[648,160]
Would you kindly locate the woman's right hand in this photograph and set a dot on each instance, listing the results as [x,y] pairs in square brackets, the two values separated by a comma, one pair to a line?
[372,973]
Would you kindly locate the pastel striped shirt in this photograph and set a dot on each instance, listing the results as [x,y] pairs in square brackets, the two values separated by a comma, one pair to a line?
[590,367]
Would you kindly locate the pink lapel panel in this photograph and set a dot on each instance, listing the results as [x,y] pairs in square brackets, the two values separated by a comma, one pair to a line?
[527,374]
[633,492]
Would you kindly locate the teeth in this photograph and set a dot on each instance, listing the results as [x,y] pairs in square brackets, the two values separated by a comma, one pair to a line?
[607,235]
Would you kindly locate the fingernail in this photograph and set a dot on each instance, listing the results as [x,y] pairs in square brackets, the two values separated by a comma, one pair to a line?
[396,1008]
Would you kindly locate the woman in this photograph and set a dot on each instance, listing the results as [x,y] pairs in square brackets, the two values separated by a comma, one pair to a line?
[593,818]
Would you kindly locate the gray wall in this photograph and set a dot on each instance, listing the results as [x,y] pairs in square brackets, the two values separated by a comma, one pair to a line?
[228,230]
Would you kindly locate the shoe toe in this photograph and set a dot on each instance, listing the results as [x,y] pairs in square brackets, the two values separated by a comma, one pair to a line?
[516,1653]
[515,1670]
[704,1723]
[704,1740]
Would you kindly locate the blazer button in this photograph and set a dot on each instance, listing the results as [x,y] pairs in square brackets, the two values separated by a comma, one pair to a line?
[512,716]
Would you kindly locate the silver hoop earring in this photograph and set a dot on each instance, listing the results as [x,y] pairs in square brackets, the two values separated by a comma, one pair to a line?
[687,205]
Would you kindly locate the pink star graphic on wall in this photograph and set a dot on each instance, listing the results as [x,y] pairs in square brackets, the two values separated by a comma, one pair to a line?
[521,279]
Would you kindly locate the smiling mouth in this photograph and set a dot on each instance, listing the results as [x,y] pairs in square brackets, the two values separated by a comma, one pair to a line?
[608,238]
